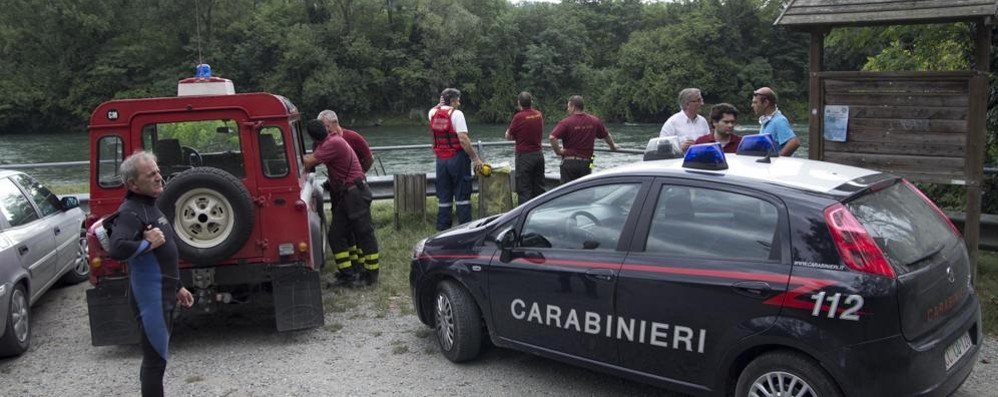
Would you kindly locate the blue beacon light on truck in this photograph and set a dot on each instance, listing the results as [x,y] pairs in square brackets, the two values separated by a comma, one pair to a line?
[705,156]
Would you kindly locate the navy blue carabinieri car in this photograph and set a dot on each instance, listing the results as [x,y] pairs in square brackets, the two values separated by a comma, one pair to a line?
[717,275]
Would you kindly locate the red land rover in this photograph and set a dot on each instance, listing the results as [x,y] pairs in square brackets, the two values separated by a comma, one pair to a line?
[247,216]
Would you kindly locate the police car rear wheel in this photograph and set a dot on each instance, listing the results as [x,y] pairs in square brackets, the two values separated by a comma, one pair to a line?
[458,323]
[783,373]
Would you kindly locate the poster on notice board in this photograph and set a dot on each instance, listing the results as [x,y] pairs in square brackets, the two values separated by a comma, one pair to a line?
[836,122]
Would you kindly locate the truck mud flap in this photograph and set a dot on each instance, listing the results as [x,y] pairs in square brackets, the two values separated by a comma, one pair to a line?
[111,319]
[297,298]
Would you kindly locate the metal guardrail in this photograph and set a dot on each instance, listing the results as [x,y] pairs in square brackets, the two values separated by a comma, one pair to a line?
[382,187]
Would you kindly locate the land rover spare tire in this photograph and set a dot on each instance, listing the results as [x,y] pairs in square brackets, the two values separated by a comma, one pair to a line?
[211,213]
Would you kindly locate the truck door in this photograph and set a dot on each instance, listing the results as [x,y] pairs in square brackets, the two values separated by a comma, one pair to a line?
[211,221]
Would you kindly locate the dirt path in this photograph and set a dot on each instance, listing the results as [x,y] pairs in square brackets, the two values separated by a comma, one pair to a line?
[355,354]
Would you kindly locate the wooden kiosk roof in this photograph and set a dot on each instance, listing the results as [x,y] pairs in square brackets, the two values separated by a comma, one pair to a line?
[925,126]
[879,12]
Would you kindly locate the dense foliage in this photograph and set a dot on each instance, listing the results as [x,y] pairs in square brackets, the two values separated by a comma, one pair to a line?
[390,58]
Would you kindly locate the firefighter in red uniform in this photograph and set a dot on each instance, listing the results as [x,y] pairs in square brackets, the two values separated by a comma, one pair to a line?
[578,131]
[352,213]
[527,128]
[452,147]
[363,152]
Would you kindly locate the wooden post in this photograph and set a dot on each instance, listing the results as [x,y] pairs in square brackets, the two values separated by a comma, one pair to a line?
[815,143]
[976,130]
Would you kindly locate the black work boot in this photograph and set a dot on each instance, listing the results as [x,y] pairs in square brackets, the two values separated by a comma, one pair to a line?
[348,278]
[371,277]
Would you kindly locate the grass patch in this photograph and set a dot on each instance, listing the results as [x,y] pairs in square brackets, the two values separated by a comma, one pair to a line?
[377,333]
[395,246]
[194,379]
[399,347]
[423,332]
[334,327]
[987,290]
[60,190]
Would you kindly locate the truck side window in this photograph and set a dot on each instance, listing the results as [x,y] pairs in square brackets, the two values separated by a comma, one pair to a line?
[273,152]
[109,157]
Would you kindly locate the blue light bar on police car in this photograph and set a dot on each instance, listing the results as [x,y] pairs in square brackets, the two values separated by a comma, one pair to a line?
[705,156]
[758,145]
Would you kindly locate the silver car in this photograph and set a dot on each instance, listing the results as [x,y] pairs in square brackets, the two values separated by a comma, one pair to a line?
[40,244]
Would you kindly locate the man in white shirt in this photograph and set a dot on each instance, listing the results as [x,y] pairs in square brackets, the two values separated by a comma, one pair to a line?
[687,124]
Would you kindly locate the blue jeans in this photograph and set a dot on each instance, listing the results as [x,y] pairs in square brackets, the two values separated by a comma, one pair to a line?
[453,189]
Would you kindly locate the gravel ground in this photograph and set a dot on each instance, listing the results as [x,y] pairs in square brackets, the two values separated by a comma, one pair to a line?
[356,353]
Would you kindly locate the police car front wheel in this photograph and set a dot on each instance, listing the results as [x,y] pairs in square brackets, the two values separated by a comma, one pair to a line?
[785,373]
[458,322]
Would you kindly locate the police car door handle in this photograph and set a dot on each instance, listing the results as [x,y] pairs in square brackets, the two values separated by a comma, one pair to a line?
[600,274]
[754,289]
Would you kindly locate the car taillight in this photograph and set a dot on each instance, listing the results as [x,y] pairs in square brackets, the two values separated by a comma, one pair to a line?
[854,243]
[942,214]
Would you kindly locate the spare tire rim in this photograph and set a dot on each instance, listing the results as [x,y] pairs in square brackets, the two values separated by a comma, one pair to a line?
[445,322]
[203,218]
[19,315]
[780,384]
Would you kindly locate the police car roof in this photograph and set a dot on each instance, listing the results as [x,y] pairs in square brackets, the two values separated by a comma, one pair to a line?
[796,173]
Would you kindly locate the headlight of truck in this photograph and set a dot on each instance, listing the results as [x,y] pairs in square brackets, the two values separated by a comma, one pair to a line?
[417,250]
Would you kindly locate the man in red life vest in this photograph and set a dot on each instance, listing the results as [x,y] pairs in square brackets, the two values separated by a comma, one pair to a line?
[452,147]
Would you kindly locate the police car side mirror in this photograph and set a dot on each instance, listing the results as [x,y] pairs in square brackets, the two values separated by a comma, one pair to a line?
[506,239]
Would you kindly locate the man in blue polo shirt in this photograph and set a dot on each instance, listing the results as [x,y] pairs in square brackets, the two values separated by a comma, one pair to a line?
[772,122]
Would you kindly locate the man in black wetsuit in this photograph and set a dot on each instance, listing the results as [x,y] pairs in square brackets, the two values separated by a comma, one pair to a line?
[143,236]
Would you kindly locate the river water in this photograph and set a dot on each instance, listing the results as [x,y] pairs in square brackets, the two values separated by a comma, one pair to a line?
[45,148]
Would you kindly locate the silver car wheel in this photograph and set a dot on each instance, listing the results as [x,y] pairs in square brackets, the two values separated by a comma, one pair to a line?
[204,218]
[445,322]
[780,384]
[19,314]
[82,266]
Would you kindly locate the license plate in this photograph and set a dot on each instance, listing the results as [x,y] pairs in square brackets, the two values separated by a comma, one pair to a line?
[957,350]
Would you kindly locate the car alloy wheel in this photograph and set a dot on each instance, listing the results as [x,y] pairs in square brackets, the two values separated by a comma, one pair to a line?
[445,322]
[780,384]
[785,374]
[19,315]
[81,266]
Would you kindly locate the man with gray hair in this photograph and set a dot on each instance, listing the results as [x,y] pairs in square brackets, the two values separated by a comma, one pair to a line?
[360,147]
[354,139]
[143,237]
[687,124]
